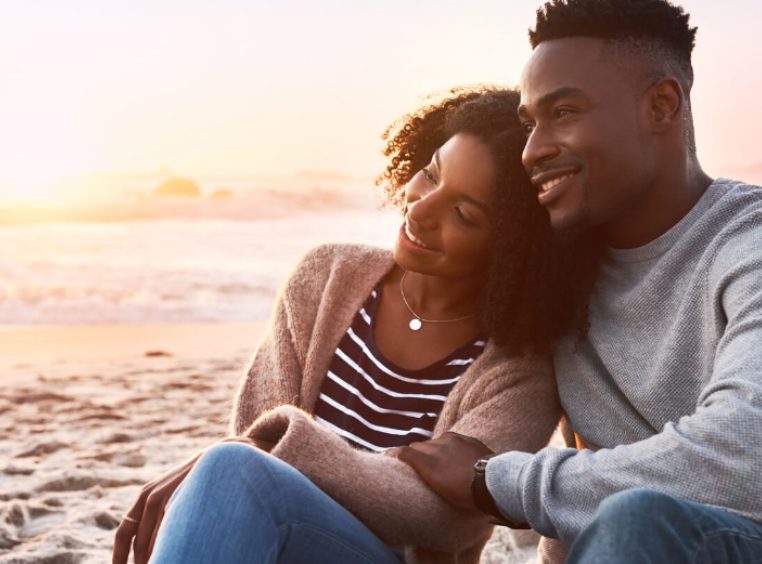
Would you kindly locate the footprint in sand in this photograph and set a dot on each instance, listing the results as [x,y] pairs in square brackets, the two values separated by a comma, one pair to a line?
[43,449]
[83,482]
[18,470]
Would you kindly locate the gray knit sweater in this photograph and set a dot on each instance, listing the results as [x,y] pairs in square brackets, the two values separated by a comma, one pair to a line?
[666,389]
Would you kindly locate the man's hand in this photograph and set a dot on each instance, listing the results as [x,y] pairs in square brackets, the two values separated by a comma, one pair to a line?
[143,519]
[446,464]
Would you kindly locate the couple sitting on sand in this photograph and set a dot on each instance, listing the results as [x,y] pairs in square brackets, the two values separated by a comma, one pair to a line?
[616,283]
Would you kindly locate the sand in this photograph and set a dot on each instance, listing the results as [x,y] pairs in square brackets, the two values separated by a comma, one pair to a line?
[88,414]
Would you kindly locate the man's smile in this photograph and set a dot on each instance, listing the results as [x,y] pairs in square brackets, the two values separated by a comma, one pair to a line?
[552,183]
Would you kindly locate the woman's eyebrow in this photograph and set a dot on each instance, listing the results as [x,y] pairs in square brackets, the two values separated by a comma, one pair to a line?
[477,203]
[436,160]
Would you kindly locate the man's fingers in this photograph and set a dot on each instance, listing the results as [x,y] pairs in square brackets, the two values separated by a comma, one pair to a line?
[413,456]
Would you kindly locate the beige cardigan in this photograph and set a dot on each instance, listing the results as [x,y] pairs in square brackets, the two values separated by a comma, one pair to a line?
[507,403]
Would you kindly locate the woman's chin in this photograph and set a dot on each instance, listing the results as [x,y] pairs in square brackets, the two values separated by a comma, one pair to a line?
[407,262]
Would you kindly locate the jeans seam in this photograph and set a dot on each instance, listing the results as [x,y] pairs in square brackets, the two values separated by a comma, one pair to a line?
[707,538]
[339,540]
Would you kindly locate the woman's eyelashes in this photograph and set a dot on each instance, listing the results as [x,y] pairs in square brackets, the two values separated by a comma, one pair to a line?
[429,176]
[457,210]
[462,217]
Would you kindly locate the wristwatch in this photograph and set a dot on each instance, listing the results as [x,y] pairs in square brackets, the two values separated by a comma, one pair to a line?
[484,500]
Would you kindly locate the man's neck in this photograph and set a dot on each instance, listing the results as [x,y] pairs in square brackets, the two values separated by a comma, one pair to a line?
[669,200]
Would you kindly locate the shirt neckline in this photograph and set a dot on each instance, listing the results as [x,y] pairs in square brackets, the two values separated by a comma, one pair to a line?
[371,343]
[667,240]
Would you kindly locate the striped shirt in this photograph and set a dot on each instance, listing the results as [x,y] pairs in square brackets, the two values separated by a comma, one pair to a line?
[375,404]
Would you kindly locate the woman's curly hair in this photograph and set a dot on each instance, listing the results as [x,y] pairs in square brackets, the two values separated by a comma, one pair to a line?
[537,286]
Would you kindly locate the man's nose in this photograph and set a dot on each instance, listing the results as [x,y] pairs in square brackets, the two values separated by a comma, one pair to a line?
[541,146]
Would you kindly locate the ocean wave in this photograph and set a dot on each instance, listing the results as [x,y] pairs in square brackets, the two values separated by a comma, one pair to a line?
[176,270]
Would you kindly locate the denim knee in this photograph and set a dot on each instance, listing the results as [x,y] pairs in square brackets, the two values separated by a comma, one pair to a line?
[229,459]
[634,506]
[231,452]
[636,501]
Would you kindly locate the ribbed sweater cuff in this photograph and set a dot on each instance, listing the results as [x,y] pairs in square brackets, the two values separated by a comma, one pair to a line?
[503,477]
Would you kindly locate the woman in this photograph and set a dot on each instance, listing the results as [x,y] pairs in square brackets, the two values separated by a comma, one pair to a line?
[369,350]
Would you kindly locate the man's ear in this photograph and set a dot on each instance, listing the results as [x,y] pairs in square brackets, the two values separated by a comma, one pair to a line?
[665,101]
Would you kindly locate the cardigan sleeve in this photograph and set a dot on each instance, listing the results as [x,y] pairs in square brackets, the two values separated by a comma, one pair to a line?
[381,491]
[510,411]
[513,405]
[273,376]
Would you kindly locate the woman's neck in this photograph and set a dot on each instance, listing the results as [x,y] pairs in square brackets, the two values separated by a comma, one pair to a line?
[440,297]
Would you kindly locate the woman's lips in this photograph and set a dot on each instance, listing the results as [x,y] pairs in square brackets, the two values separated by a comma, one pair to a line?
[410,241]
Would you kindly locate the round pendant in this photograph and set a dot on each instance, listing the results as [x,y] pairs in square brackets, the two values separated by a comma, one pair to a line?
[415,324]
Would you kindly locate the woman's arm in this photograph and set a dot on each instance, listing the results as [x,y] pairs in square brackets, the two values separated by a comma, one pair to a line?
[274,375]
[502,409]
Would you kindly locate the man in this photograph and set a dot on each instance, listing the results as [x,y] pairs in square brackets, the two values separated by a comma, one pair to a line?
[665,389]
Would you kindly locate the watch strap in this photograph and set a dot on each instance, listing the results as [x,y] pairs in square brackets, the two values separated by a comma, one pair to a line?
[483,498]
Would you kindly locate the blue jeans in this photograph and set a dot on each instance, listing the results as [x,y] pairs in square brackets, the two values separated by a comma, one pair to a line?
[241,505]
[645,526]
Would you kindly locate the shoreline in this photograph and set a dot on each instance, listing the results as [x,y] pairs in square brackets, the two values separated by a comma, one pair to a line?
[30,350]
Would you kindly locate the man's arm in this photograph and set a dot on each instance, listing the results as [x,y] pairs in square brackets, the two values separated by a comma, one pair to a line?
[712,456]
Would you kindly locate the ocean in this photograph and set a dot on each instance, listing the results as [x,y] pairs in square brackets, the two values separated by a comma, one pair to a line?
[171,270]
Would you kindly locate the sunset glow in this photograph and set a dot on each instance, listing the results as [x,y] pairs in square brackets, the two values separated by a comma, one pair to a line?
[257,88]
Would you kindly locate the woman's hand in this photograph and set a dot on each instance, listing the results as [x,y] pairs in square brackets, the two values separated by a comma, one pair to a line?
[143,519]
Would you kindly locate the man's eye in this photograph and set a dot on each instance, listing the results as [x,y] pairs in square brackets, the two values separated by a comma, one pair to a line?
[528,128]
[562,112]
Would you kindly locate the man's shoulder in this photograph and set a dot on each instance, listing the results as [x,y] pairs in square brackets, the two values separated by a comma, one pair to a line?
[736,199]
[738,203]
[736,219]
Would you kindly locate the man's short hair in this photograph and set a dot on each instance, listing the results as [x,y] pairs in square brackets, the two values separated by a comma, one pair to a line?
[655,30]
[657,22]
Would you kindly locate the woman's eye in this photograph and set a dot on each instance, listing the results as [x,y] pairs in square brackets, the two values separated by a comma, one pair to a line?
[429,176]
[462,217]
[528,128]
[562,112]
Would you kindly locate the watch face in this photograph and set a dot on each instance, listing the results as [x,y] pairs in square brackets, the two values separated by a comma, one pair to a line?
[481,465]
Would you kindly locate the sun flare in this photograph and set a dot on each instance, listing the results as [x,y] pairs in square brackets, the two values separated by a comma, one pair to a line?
[31,187]
[40,179]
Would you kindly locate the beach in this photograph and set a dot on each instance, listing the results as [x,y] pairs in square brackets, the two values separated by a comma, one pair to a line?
[121,346]
[90,413]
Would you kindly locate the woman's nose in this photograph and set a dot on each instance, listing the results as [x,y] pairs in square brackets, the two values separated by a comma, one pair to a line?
[423,209]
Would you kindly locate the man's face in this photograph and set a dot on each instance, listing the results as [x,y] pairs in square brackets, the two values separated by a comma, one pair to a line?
[587,152]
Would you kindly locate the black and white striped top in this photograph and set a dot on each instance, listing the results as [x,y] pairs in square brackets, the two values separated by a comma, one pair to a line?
[375,404]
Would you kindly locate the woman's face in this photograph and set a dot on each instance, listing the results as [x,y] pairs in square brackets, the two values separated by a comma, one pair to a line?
[447,230]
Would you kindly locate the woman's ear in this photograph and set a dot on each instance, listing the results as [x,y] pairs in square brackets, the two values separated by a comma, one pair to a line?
[665,101]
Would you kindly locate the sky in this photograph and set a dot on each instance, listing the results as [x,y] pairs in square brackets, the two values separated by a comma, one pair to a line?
[255,87]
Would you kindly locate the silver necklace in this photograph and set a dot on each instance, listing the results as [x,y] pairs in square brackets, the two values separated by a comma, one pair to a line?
[417,322]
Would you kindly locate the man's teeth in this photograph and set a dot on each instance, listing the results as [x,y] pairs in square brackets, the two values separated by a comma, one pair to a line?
[556,181]
[414,239]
